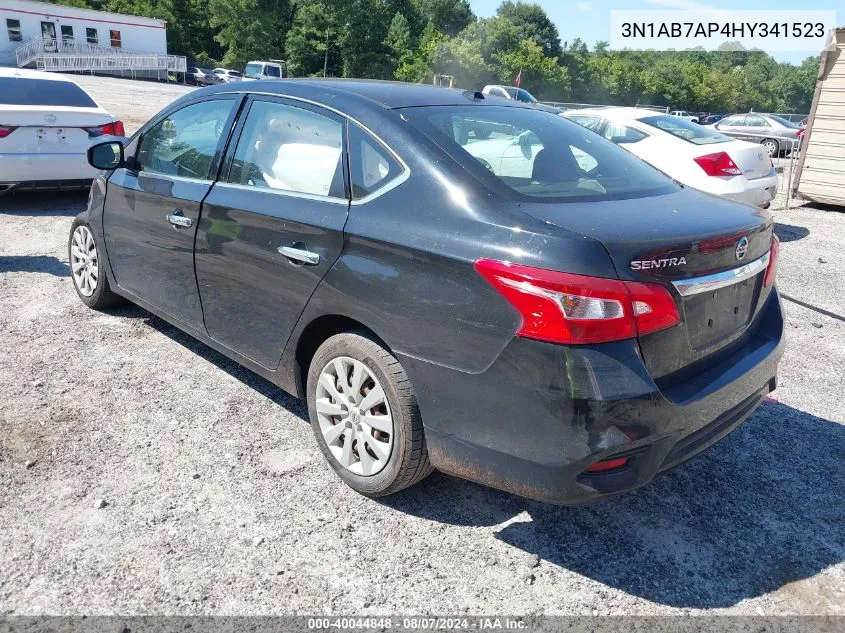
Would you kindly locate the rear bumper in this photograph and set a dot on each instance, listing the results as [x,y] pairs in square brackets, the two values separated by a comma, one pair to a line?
[541,413]
[27,168]
[758,192]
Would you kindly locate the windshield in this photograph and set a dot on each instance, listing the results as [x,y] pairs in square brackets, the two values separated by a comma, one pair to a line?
[43,92]
[253,69]
[686,130]
[784,122]
[529,154]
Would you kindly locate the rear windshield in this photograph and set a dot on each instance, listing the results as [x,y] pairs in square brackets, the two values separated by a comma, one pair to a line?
[22,91]
[521,95]
[784,122]
[538,156]
[687,130]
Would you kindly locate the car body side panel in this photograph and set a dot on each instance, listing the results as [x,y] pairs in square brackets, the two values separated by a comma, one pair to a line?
[252,295]
[156,258]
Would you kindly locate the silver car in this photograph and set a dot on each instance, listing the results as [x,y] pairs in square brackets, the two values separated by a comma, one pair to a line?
[775,133]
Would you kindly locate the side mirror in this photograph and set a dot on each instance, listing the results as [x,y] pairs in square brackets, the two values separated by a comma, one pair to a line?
[108,155]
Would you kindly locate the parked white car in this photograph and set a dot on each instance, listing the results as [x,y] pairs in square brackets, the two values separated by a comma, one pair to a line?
[47,124]
[228,76]
[695,155]
[684,115]
[257,70]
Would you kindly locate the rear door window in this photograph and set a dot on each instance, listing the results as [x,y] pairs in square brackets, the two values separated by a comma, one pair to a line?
[737,120]
[289,148]
[619,133]
[593,123]
[21,91]
[185,142]
[755,121]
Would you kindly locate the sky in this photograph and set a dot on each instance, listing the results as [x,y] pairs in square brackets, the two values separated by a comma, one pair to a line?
[590,19]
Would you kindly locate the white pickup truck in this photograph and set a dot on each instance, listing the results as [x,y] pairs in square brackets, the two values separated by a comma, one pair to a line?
[684,115]
[272,69]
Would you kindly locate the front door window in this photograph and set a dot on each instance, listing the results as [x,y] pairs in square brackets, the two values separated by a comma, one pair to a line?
[184,143]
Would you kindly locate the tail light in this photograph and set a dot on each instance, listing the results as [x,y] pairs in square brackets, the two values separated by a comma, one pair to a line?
[609,464]
[115,128]
[5,130]
[772,269]
[575,309]
[718,164]
[800,133]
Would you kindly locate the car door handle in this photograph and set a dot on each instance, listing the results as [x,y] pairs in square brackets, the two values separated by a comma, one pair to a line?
[179,220]
[300,255]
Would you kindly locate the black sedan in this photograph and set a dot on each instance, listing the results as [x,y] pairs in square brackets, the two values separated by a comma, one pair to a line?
[536,310]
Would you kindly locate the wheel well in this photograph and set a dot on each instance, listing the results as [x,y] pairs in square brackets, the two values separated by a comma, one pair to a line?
[314,335]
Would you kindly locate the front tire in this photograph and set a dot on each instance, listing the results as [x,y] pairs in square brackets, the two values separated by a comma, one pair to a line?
[87,269]
[365,416]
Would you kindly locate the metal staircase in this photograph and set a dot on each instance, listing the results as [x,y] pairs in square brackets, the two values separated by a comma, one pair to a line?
[64,56]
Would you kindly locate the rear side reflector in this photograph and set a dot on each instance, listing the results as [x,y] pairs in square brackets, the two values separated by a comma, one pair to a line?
[576,309]
[115,128]
[718,164]
[610,464]
[772,269]
[5,130]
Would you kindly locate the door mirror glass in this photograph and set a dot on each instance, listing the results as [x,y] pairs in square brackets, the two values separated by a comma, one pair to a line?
[107,155]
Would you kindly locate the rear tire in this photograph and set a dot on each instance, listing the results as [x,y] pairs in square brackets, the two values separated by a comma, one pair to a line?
[353,381]
[771,146]
[87,269]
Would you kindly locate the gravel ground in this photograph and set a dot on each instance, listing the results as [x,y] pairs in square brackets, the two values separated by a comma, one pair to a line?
[143,473]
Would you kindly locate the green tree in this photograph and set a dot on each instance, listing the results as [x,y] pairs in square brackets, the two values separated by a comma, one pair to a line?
[532,22]
[419,68]
[400,41]
[542,75]
[251,29]
[313,42]
[575,57]
[448,17]
[363,49]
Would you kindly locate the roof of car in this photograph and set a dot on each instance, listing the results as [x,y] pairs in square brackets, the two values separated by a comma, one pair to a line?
[616,113]
[387,94]
[26,73]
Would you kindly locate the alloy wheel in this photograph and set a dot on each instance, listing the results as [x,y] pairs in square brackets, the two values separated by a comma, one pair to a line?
[354,416]
[84,263]
[771,148]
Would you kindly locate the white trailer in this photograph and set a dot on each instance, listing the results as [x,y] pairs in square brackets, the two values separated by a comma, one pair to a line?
[62,38]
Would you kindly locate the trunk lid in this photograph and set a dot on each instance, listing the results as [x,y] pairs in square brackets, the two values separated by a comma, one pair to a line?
[751,158]
[49,129]
[673,238]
